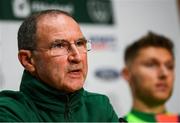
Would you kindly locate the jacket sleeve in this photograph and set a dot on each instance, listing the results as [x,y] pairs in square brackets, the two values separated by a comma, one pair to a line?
[7,116]
[112,116]
[10,108]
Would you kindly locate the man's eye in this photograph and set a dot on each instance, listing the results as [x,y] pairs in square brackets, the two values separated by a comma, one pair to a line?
[170,66]
[150,65]
[81,43]
[59,45]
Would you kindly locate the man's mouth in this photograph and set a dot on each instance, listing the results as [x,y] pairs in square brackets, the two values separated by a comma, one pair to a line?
[162,86]
[76,73]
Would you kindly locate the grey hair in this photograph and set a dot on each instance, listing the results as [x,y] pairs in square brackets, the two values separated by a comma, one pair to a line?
[27,31]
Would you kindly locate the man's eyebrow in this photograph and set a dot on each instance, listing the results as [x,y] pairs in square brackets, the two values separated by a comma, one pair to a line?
[58,40]
[81,38]
[54,42]
[152,59]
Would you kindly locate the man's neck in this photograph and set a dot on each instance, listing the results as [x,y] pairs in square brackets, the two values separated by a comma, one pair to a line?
[143,107]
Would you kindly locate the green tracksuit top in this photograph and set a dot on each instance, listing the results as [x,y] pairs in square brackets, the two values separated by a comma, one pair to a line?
[38,102]
[142,117]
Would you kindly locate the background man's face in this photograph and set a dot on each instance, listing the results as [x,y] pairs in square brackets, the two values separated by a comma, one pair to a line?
[152,75]
[67,72]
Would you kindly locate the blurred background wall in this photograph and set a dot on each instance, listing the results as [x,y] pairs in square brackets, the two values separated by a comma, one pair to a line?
[111,25]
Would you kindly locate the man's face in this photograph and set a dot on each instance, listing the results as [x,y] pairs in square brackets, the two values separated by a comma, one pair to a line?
[66,72]
[151,75]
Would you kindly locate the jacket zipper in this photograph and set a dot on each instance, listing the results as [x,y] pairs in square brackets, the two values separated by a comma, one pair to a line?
[66,113]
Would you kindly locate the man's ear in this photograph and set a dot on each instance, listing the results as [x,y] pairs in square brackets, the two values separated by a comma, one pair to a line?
[25,58]
[126,74]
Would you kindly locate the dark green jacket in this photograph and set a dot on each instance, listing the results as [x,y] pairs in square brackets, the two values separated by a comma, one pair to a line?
[38,102]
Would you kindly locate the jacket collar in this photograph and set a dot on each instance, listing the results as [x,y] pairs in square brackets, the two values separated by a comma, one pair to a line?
[49,98]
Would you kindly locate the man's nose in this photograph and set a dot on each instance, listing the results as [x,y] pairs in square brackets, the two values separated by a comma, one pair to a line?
[163,72]
[74,54]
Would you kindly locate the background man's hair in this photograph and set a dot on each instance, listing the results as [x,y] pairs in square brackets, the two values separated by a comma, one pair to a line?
[150,40]
[27,31]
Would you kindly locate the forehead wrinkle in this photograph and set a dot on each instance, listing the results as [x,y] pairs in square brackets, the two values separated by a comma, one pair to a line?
[64,23]
[158,54]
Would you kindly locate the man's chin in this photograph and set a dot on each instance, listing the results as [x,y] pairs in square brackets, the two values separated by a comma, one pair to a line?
[75,87]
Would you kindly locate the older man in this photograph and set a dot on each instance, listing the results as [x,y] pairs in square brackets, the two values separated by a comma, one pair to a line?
[53,51]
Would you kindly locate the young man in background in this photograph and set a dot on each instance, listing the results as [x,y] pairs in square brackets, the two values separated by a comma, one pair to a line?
[149,70]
